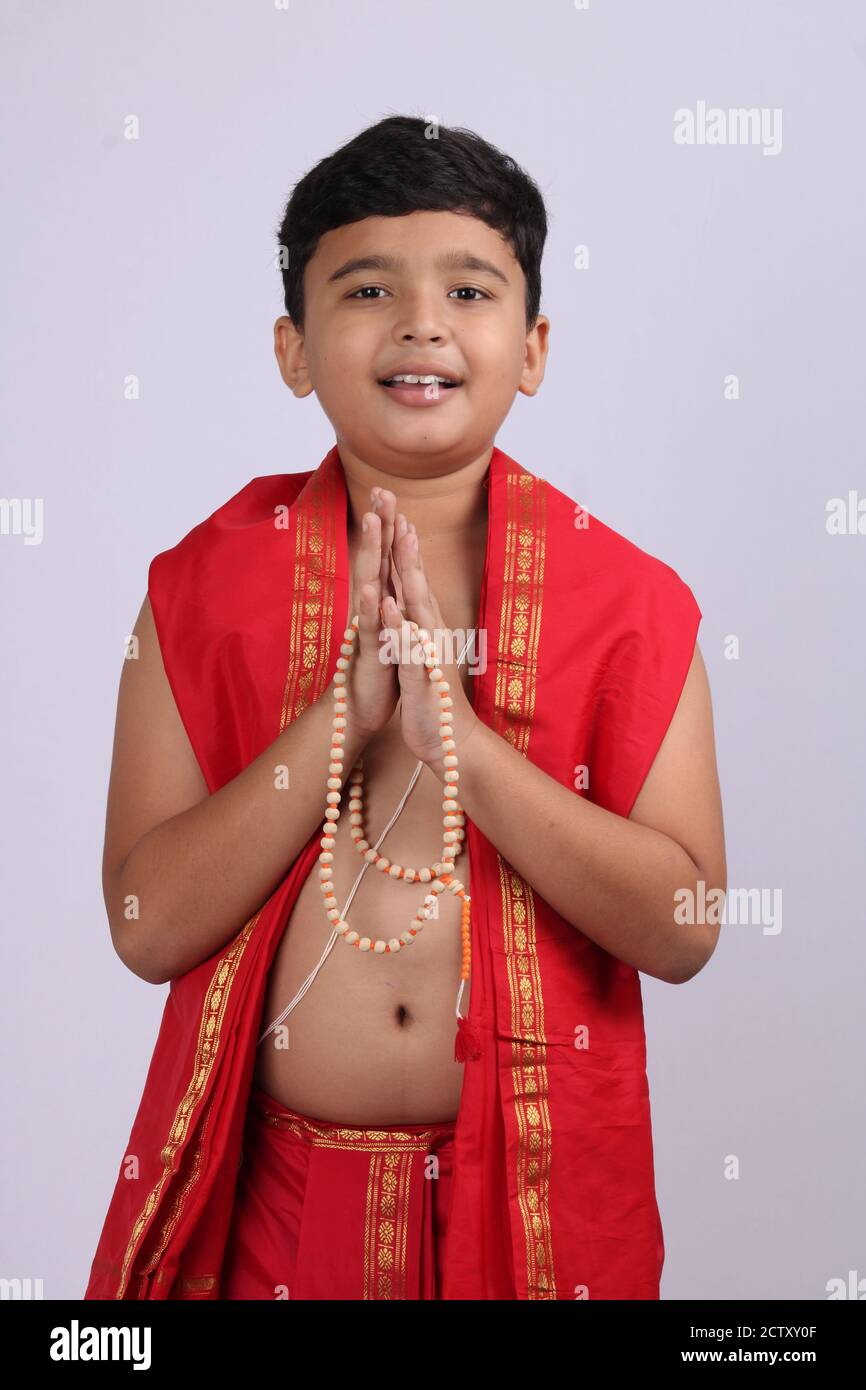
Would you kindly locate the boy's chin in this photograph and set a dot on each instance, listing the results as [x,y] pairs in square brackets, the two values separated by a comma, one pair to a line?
[418,427]
[405,442]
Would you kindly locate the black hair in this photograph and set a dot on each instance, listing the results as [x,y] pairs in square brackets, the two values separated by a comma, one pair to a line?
[393,168]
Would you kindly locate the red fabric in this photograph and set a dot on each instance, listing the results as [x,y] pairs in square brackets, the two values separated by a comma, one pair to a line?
[589,640]
[327,1211]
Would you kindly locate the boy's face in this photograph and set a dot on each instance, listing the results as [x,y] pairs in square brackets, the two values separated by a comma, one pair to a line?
[364,324]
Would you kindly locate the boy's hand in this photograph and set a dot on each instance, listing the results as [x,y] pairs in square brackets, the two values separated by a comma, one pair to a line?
[372,688]
[419,701]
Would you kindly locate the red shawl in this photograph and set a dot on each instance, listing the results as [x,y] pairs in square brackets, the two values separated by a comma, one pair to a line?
[589,640]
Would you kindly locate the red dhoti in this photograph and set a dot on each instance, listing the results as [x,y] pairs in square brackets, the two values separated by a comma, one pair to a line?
[331,1211]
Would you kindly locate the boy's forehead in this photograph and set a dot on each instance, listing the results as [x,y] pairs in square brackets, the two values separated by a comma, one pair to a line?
[416,241]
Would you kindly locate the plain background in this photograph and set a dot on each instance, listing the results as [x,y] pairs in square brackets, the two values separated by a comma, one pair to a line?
[155,257]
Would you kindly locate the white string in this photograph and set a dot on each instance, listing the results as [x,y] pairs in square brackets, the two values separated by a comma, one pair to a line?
[364,867]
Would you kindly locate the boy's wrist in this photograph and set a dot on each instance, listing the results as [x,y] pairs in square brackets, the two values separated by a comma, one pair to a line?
[470,724]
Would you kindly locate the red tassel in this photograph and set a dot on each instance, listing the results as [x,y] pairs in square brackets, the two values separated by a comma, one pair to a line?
[467,1044]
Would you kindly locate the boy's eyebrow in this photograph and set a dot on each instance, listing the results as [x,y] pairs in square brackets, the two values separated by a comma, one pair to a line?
[452,260]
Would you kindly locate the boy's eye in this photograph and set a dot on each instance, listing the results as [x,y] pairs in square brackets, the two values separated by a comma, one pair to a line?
[377,289]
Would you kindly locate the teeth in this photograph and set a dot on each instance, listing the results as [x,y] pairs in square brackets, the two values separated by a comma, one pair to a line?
[421,380]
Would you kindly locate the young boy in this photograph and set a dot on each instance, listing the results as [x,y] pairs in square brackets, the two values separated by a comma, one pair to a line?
[341,1104]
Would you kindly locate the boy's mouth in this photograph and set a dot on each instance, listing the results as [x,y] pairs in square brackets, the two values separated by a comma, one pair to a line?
[414,390]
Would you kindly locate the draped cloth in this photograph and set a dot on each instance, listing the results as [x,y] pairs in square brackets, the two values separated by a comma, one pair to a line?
[330,1211]
[588,643]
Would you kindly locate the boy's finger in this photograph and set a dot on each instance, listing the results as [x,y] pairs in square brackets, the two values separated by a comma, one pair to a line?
[368,611]
[416,591]
[395,587]
[370,622]
[377,511]
[385,504]
[406,555]
[368,561]
[389,513]
[418,550]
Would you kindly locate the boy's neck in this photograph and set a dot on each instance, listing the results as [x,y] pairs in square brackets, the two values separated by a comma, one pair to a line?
[453,503]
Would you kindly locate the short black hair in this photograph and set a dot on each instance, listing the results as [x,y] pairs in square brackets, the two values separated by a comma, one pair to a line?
[394,168]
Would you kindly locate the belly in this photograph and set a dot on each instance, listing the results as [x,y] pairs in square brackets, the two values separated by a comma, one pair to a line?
[372,1040]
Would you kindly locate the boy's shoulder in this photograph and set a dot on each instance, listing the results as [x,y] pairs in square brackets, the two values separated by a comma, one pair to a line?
[257,504]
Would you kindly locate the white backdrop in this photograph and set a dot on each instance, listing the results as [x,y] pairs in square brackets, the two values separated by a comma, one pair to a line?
[154,257]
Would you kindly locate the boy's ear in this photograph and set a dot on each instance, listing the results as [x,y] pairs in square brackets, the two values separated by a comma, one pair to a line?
[289,352]
[536,356]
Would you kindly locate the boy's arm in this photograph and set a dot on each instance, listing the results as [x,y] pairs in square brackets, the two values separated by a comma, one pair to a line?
[614,878]
[193,866]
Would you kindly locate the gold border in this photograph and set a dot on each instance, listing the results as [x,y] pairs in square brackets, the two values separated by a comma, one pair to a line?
[204,1284]
[514,701]
[364,1140]
[207,1047]
[312,592]
[311,618]
[386,1226]
[179,1202]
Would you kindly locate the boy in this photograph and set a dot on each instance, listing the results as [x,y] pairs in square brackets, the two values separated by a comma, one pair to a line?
[383,1144]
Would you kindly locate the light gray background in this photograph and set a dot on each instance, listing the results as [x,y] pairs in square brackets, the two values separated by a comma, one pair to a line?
[155,257]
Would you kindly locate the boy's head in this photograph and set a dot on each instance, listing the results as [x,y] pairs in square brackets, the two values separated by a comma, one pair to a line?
[457,230]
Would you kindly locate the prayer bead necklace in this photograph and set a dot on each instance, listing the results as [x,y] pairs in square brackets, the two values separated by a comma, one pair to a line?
[453,818]
[454,822]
